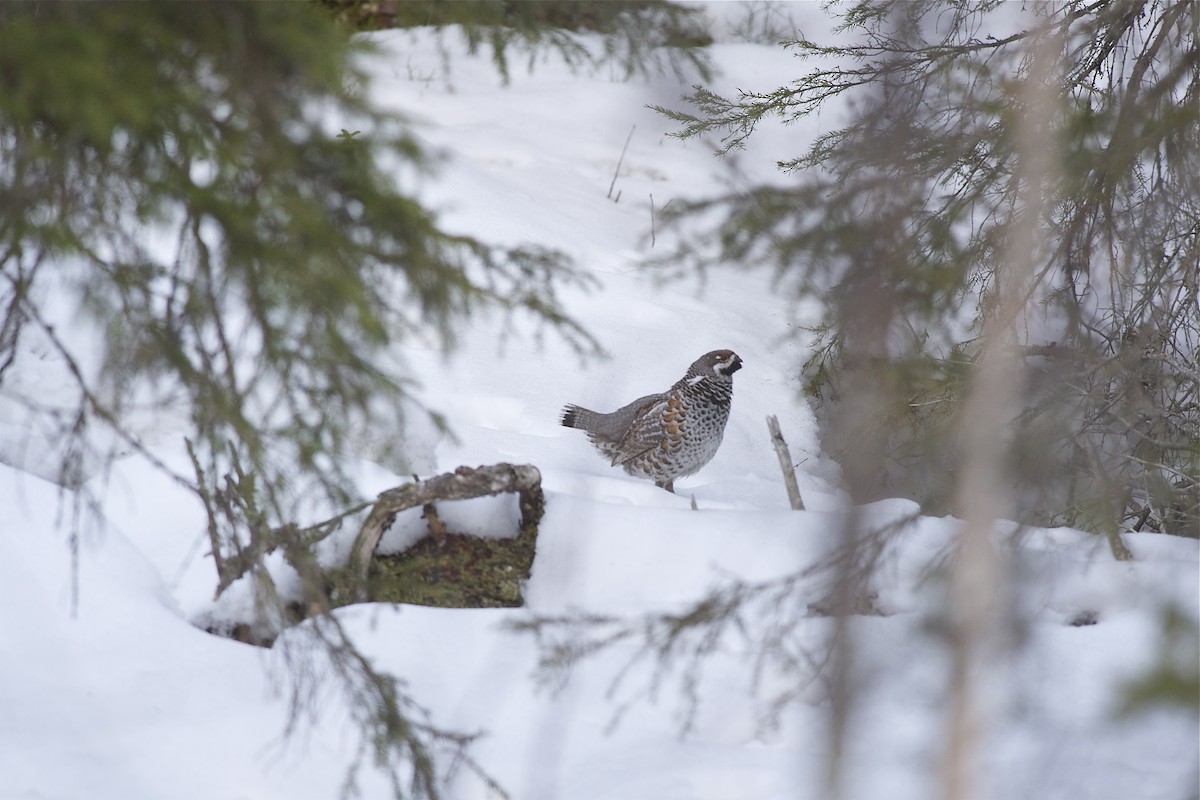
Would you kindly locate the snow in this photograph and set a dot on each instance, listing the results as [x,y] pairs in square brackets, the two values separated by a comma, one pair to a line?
[110,689]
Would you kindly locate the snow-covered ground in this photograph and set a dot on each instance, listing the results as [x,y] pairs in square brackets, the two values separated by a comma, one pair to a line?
[124,697]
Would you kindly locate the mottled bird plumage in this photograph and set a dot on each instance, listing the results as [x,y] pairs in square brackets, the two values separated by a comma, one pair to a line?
[669,435]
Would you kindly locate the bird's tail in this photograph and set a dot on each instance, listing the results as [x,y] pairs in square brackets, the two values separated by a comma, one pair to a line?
[576,417]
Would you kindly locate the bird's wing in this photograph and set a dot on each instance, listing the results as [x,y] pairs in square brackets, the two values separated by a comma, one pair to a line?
[639,437]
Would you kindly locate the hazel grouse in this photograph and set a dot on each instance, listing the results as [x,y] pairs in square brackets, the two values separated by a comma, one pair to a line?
[666,436]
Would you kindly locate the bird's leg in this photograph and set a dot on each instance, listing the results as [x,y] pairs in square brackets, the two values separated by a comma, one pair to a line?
[668,485]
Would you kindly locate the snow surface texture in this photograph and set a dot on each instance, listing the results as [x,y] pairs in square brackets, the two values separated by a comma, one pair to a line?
[126,698]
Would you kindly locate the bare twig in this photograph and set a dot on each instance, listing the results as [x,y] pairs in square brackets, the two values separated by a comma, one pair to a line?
[652,236]
[620,161]
[214,535]
[785,463]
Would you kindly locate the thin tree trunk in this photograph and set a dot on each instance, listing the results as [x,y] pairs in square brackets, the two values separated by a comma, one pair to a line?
[992,404]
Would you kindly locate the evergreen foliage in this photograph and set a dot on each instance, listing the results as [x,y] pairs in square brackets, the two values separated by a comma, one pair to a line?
[205,189]
[639,37]
[901,214]
[173,168]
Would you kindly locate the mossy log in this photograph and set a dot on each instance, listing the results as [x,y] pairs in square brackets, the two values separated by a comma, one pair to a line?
[447,569]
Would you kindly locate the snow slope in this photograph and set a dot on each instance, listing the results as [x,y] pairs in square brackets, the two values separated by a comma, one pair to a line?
[123,697]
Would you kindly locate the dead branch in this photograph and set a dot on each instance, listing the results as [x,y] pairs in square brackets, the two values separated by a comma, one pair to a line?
[462,484]
[785,464]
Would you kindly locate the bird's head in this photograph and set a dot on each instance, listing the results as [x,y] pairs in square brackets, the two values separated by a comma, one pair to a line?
[722,363]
